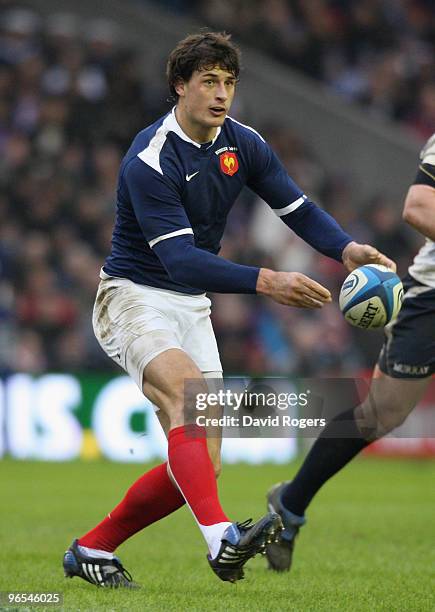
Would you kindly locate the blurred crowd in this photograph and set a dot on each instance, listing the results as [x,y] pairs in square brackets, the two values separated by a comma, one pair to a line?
[376,52]
[72,96]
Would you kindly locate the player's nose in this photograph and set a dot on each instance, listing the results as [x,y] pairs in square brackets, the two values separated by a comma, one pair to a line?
[221,92]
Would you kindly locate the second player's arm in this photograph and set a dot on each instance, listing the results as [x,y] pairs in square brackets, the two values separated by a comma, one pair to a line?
[419,208]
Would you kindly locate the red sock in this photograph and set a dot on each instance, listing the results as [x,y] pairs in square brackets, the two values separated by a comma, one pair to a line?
[149,499]
[193,471]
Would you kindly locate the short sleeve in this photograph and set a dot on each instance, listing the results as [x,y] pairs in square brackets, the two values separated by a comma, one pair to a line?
[426,169]
[427,154]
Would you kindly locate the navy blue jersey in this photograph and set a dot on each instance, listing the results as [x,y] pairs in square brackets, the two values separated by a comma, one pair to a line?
[170,186]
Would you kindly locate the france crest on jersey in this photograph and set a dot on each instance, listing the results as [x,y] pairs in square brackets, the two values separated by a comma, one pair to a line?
[170,185]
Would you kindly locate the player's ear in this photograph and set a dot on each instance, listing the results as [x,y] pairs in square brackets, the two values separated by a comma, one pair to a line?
[179,87]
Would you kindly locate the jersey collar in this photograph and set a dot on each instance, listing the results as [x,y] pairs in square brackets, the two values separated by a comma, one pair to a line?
[175,127]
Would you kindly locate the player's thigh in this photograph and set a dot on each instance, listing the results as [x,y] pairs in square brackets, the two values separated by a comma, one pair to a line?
[174,378]
[409,345]
[407,358]
[199,340]
[131,326]
[172,381]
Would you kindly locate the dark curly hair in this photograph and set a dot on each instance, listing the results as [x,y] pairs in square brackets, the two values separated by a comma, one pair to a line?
[200,51]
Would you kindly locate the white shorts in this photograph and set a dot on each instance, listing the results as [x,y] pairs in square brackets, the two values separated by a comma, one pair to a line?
[135,323]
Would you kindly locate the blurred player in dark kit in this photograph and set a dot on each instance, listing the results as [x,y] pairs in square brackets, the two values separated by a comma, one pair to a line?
[401,376]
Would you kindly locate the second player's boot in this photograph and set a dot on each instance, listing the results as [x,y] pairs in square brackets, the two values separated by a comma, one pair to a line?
[279,553]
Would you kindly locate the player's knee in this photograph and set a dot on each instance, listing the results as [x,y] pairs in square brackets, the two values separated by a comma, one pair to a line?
[377,421]
[172,405]
[180,401]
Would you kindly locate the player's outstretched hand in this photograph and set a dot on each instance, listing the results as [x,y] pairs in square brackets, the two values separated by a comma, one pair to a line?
[356,255]
[292,289]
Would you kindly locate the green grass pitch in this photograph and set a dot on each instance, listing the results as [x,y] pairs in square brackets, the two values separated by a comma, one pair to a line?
[368,544]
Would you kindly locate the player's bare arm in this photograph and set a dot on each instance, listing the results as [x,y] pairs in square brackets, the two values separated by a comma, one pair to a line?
[419,205]
[419,208]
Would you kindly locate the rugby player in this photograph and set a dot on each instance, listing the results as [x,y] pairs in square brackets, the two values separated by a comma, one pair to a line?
[400,378]
[177,184]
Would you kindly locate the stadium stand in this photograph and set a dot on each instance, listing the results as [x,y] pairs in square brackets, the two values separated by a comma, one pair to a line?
[379,54]
[72,95]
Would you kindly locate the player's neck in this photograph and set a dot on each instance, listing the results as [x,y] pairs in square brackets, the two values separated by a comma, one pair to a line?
[195,131]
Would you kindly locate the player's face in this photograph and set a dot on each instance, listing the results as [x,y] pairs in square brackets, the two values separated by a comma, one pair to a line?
[204,102]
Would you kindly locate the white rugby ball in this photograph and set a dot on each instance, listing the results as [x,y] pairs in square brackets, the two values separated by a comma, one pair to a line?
[371,296]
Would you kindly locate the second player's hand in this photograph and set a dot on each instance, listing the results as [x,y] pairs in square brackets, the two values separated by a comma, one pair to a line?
[356,255]
[292,289]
